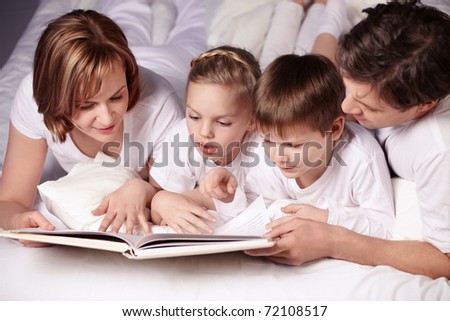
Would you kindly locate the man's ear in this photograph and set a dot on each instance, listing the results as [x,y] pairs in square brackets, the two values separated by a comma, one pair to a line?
[337,128]
[424,108]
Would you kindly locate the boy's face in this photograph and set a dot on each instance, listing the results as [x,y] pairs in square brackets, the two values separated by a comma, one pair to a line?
[217,122]
[364,104]
[302,155]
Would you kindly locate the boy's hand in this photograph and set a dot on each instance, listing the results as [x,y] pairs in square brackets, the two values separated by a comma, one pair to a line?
[306,211]
[180,213]
[218,183]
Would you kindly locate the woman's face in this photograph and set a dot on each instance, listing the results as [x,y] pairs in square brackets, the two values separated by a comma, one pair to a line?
[100,117]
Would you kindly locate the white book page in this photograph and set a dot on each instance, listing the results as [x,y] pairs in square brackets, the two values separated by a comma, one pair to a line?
[251,222]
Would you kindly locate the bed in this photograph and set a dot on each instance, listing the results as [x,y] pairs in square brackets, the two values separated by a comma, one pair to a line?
[67,273]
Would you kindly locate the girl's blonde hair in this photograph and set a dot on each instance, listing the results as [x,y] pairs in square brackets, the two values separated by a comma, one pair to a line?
[74,53]
[227,66]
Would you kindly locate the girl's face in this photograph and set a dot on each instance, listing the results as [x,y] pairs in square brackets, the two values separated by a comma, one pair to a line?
[100,117]
[217,122]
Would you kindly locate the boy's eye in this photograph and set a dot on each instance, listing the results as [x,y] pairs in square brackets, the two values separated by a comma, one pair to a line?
[293,145]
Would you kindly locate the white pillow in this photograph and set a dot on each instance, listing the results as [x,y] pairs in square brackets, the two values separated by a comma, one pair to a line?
[72,197]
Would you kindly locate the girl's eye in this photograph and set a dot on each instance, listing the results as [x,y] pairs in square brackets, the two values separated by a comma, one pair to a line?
[225,124]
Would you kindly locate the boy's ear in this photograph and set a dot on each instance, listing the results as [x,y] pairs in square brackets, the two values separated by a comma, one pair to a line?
[337,128]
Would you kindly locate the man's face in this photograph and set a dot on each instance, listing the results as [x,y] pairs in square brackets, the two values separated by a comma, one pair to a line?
[364,104]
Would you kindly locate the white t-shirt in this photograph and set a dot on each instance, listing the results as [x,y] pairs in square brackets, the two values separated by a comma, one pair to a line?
[420,151]
[145,126]
[181,166]
[355,188]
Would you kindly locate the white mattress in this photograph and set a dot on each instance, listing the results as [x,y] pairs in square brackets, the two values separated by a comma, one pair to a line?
[65,273]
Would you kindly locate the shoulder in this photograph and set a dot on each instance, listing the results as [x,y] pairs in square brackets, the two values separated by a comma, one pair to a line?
[360,142]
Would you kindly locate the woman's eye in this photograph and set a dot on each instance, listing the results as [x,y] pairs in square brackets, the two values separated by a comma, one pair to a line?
[86,107]
[116,97]
[194,117]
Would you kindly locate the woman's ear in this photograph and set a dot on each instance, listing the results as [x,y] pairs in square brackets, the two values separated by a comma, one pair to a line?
[337,128]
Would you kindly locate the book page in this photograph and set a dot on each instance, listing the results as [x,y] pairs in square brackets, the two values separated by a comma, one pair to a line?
[251,222]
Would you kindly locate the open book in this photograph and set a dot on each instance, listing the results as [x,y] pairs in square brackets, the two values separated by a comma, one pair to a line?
[243,232]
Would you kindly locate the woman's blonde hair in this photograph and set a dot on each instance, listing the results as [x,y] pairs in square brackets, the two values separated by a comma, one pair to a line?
[74,53]
[227,66]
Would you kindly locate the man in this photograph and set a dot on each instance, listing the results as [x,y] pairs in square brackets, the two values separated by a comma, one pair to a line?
[396,67]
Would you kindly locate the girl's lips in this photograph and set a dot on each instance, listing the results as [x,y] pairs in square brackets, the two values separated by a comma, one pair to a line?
[207,148]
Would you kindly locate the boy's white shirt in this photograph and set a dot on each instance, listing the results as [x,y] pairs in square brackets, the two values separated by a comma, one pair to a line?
[358,196]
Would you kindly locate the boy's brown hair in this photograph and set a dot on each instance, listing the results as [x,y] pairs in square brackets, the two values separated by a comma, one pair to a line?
[298,91]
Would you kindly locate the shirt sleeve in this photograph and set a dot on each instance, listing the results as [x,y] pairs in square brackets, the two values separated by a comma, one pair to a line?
[433,193]
[24,115]
[371,190]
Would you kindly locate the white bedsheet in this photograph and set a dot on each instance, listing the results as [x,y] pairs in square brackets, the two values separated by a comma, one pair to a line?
[65,273]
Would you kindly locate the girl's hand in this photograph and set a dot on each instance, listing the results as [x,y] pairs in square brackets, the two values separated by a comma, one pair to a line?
[218,183]
[127,205]
[180,213]
[306,211]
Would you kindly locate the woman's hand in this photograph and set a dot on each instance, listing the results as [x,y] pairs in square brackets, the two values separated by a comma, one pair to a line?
[32,219]
[180,213]
[127,205]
